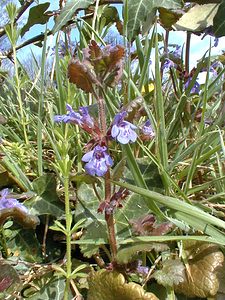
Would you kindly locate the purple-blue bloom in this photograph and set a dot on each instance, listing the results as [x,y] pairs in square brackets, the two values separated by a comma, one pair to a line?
[141,269]
[168,64]
[209,31]
[75,117]
[147,129]
[86,118]
[6,202]
[196,87]
[123,131]
[98,161]
[177,52]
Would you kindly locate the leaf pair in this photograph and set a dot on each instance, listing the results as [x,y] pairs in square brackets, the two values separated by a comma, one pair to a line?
[99,67]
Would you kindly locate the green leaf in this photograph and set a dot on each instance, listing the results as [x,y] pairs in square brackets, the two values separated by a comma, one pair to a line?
[36,16]
[68,12]
[49,287]
[139,10]
[197,18]
[47,200]
[175,204]
[25,245]
[219,21]
[172,272]
[138,177]
[126,253]
[95,225]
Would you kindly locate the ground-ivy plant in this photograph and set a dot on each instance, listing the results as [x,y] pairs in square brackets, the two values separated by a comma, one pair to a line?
[112,154]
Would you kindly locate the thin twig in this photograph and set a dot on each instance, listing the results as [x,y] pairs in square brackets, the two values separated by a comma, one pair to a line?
[21,11]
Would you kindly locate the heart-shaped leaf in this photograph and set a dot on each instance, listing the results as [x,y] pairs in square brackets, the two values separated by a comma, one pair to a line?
[107,285]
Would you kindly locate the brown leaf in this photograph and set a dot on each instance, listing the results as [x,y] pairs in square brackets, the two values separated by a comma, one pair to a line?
[113,56]
[205,265]
[24,219]
[147,226]
[107,285]
[107,62]
[143,225]
[80,74]
[94,51]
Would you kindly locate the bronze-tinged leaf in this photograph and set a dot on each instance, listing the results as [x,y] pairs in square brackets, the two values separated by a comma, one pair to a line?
[24,219]
[107,285]
[143,225]
[205,263]
[94,50]
[172,273]
[113,56]
[80,74]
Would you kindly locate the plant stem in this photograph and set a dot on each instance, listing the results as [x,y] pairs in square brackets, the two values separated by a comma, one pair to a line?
[3,245]
[187,52]
[108,216]
[68,237]
[19,97]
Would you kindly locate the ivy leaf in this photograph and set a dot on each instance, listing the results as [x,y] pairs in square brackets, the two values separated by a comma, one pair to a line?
[36,16]
[48,287]
[107,285]
[139,10]
[172,273]
[47,200]
[95,226]
[68,12]
[219,22]
[24,244]
[205,267]
[197,18]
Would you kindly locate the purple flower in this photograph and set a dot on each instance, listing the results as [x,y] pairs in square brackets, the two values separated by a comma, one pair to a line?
[196,87]
[141,269]
[98,161]
[86,118]
[6,202]
[209,31]
[75,117]
[147,129]
[122,130]
[168,64]
[177,52]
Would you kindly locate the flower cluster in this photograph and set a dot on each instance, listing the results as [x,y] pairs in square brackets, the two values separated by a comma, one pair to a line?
[80,118]
[209,31]
[147,130]
[196,87]
[123,131]
[7,202]
[168,64]
[97,161]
